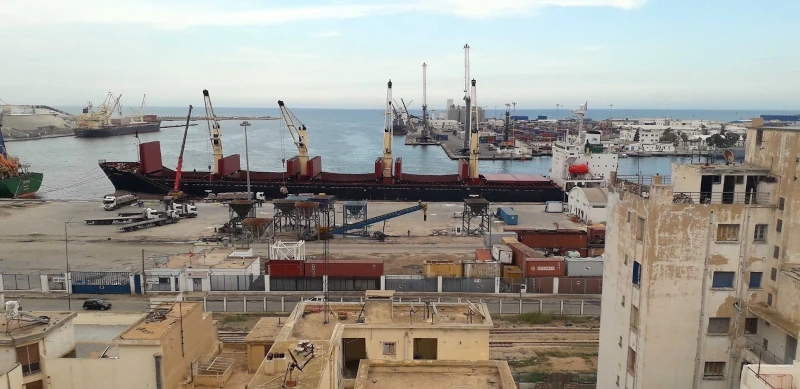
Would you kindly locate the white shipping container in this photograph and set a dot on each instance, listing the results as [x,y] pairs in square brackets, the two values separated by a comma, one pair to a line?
[502,253]
[584,267]
[554,207]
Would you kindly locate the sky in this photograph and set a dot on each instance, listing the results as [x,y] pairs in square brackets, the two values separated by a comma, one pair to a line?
[670,54]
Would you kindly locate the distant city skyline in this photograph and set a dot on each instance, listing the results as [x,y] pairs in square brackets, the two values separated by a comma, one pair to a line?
[634,54]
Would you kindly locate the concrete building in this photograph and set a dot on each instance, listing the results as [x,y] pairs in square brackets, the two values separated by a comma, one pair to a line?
[202,270]
[705,273]
[589,204]
[380,341]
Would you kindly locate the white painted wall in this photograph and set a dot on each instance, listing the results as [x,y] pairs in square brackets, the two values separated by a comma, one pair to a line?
[58,341]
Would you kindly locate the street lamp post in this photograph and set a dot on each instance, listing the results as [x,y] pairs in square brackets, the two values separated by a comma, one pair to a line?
[246,124]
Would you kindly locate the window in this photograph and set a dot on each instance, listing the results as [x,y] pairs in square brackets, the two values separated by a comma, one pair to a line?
[727,233]
[760,233]
[634,317]
[631,360]
[779,225]
[755,280]
[623,301]
[28,357]
[776,252]
[751,325]
[640,230]
[717,179]
[773,274]
[722,279]
[759,137]
[629,216]
[714,369]
[719,325]
[769,299]
[389,348]
[637,273]
[781,203]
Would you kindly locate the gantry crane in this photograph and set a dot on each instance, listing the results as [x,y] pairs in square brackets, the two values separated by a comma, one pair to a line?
[176,192]
[213,131]
[388,129]
[299,135]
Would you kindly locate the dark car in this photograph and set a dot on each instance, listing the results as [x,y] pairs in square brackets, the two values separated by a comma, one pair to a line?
[96,304]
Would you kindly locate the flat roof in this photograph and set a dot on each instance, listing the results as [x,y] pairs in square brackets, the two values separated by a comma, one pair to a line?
[266,329]
[23,330]
[216,258]
[309,377]
[146,329]
[374,374]
[729,169]
[309,323]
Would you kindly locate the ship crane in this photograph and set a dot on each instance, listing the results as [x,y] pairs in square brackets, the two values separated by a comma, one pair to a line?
[467,98]
[388,129]
[474,149]
[213,131]
[298,131]
[176,192]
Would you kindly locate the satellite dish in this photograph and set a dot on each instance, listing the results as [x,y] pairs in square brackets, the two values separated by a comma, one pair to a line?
[728,157]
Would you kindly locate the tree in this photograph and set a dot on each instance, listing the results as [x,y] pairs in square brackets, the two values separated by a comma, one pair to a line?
[685,138]
[668,136]
[704,129]
[636,136]
[724,139]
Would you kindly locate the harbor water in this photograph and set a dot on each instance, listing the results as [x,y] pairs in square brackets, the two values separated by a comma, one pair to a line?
[349,141]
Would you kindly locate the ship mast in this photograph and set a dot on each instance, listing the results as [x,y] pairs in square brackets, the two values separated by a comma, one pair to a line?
[213,131]
[300,140]
[388,129]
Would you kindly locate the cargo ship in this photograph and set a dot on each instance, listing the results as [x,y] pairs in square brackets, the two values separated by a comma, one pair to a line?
[15,179]
[305,175]
[100,124]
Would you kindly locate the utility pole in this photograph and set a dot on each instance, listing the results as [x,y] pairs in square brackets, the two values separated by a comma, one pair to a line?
[246,124]
[67,277]
[144,278]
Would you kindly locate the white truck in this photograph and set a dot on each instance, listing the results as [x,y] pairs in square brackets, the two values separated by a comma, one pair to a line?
[185,210]
[163,218]
[126,217]
[111,203]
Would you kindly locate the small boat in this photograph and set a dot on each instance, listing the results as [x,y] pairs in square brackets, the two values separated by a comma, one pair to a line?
[579,169]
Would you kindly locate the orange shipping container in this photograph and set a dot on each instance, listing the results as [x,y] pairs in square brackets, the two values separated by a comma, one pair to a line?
[508,240]
[483,255]
[512,272]
[436,268]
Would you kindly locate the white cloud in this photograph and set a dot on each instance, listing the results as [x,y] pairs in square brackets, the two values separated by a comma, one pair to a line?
[326,34]
[177,14]
[593,48]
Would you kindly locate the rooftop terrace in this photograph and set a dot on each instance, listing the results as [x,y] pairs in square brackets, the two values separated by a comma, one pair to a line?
[265,330]
[15,331]
[374,374]
[150,328]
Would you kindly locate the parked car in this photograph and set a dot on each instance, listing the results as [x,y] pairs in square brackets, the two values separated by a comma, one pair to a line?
[96,304]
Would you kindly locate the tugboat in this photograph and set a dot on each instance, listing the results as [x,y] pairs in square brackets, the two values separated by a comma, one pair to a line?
[15,179]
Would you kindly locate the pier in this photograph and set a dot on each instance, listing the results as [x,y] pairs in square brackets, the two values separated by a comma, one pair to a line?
[198,118]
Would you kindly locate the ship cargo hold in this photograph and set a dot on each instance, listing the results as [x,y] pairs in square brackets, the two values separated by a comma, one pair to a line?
[150,176]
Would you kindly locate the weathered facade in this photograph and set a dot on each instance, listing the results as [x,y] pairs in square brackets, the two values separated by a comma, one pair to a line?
[699,273]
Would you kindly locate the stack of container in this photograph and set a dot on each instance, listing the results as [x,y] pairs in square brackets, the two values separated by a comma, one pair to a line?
[544,267]
[483,255]
[494,238]
[482,269]
[502,253]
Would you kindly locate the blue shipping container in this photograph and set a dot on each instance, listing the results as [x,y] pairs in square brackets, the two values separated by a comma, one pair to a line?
[508,215]
[541,117]
[519,118]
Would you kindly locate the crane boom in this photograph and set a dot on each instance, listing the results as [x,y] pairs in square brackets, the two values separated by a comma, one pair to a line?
[467,99]
[298,132]
[176,189]
[388,130]
[213,131]
[474,149]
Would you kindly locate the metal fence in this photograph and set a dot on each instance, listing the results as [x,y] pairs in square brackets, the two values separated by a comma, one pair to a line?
[96,282]
[22,282]
[556,380]
[231,283]
[56,282]
[412,284]
[352,284]
[295,284]
[468,285]
[157,284]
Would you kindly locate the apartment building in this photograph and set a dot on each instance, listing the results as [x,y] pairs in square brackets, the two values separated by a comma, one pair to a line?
[704,269]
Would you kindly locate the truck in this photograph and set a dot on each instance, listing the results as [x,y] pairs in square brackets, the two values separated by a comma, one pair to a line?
[163,218]
[126,217]
[185,210]
[111,203]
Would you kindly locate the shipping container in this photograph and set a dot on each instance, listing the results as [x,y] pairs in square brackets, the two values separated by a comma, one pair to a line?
[463,169]
[482,269]
[597,235]
[544,267]
[509,239]
[314,166]
[508,215]
[553,239]
[502,253]
[494,238]
[285,268]
[596,252]
[483,255]
[150,157]
[554,207]
[229,165]
[584,267]
[520,252]
[362,268]
[580,285]
[541,117]
[439,268]
[512,272]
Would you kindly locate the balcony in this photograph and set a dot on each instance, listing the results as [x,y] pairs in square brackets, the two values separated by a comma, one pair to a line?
[639,185]
[754,345]
[768,377]
[754,199]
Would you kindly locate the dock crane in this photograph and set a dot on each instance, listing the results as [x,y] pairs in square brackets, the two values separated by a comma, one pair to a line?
[213,131]
[176,192]
[424,134]
[299,135]
[388,129]
[467,98]
[409,122]
[474,151]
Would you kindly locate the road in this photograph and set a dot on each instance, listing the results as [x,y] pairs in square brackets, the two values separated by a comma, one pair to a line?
[287,304]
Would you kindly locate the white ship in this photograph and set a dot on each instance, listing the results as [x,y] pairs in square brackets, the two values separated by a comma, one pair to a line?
[34,121]
[581,160]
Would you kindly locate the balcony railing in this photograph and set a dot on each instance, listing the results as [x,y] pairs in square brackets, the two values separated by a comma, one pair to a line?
[748,198]
[755,345]
[639,185]
[772,380]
